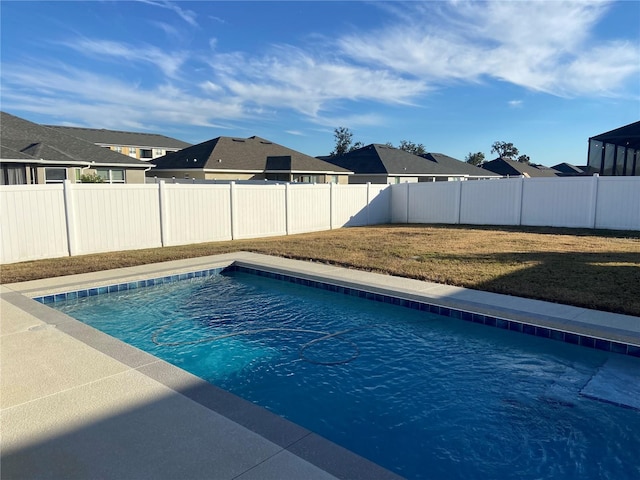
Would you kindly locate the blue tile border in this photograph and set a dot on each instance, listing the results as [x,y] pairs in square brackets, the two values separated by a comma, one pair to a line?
[503,323]
[119,287]
[491,321]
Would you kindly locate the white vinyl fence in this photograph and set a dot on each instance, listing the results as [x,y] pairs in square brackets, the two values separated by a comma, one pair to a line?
[576,202]
[46,221]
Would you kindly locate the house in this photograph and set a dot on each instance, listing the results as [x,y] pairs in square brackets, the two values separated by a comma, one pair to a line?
[512,168]
[253,158]
[143,146]
[377,163]
[568,170]
[615,152]
[33,153]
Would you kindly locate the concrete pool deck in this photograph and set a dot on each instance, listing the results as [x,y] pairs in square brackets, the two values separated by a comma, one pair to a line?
[77,403]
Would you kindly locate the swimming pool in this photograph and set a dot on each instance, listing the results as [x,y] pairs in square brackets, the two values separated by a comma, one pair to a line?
[423,395]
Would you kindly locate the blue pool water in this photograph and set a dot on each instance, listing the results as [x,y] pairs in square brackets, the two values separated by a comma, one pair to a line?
[423,395]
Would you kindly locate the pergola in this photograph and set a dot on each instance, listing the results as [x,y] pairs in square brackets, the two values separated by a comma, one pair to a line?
[616,152]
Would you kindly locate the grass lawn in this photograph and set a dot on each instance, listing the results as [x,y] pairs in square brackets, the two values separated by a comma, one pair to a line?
[593,269]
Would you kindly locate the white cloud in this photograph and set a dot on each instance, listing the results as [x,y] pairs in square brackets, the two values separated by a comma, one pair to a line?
[295,132]
[424,45]
[170,63]
[538,45]
[188,16]
[92,98]
[289,77]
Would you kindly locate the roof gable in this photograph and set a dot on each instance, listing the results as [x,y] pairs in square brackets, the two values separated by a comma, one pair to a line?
[513,168]
[40,143]
[456,166]
[252,154]
[116,137]
[386,160]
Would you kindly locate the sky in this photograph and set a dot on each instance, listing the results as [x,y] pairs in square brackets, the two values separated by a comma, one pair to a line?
[455,76]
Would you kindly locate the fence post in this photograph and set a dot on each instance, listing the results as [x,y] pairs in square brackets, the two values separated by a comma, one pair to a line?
[594,200]
[458,206]
[70,218]
[232,197]
[368,203]
[164,222]
[331,205]
[407,184]
[520,195]
[287,206]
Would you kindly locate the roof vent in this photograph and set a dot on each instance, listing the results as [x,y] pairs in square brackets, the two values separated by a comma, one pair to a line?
[238,140]
[266,142]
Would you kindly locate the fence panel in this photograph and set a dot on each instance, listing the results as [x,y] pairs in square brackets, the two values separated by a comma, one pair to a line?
[399,203]
[379,204]
[618,206]
[349,206]
[491,202]
[558,202]
[308,208]
[258,211]
[196,213]
[115,217]
[434,202]
[33,223]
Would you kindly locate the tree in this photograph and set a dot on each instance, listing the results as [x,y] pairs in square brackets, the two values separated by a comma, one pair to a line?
[344,139]
[524,159]
[91,178]
[474,158]
[411,147]
[504,150]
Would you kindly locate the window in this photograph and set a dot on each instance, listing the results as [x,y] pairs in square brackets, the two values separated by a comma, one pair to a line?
[55,175]
[111,175]
[13,175]
[158,152]
[117,149]
[133,152]
[630,157]
[307,179]
[595,156]
[620,159]
[146,153]
[609,153]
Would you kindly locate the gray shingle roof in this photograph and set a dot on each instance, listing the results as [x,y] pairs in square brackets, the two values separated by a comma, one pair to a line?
[376,159]
[456,166]
[115,137]
[36,143]
[569,169]
[244,154]
[507,167]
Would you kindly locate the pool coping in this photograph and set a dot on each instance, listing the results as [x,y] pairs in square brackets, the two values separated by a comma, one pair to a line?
[612,330]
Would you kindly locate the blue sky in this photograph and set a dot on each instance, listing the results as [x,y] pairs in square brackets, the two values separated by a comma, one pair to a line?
[453,75]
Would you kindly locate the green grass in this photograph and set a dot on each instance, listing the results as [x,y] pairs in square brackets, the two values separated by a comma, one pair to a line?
[593,269]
